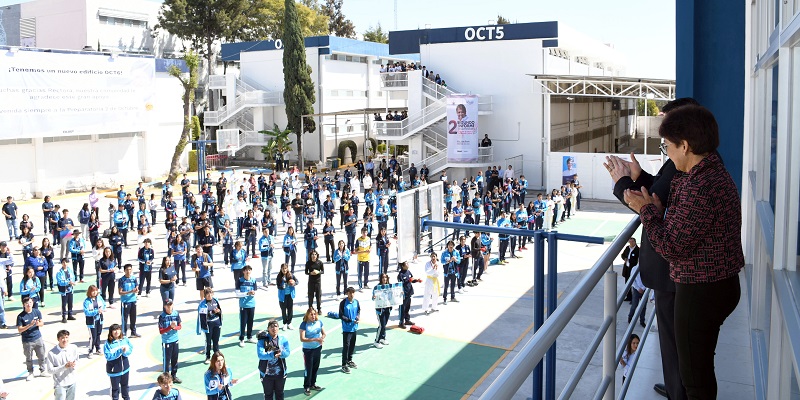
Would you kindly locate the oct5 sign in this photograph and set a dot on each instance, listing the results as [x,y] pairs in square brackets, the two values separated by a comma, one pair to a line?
[484,33]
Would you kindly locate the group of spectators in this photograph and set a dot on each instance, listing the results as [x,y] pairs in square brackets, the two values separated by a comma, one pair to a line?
[397,116]
[405,67]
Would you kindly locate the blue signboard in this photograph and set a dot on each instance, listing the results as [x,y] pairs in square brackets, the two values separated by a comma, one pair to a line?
[405,42]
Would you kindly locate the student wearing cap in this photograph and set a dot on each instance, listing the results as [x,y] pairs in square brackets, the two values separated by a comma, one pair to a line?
[350,314]
[66,282]
[169,323]
[272,351]
[128,289]
[246,289]
[77,247]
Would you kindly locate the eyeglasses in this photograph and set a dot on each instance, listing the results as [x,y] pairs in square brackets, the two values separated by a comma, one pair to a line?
[663,148]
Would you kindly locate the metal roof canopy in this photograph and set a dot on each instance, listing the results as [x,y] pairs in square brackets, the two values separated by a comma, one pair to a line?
[606,86]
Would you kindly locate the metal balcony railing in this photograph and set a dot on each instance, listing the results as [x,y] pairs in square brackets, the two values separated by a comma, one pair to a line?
[394,80]
[247,99]
[396,130]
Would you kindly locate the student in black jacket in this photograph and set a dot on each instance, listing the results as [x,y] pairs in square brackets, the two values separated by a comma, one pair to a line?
[631,258]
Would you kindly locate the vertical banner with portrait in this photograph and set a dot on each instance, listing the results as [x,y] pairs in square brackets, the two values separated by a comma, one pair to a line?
[568,169]
[462,128]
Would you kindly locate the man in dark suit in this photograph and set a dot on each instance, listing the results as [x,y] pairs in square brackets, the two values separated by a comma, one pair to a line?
[631,258]
[654,269]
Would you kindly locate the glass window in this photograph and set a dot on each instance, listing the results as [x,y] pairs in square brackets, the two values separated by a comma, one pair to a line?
[773,158]
[111,20]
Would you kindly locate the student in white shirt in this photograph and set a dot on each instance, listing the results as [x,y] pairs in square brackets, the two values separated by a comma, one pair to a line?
[61,363]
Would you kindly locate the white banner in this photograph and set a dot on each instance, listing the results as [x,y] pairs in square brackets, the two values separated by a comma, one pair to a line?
[390,295]
[54,94]
[462,128]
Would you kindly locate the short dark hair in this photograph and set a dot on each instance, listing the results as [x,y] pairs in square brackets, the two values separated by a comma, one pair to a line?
[680,102]
[694,124]
[62,333]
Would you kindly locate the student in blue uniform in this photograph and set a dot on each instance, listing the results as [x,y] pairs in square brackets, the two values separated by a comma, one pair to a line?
[77,248]
[265,248]
[246,291]
[117,350]
[169,323]
[146,257]
[179,250]
[350,314]
[458,212]
[128,288]
[310,236]
[209,322]
[382,244]
[341,257]
[66,282]
[272,351]
[406,278]
[165,390]
[451,258]
[93,308]
[167,278]
[201,265]
[30,285]
[290,247]
[312,334]
[465,252]
[286,282]
[218,379]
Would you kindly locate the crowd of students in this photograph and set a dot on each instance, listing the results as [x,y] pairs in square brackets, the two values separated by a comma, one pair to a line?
[242,218]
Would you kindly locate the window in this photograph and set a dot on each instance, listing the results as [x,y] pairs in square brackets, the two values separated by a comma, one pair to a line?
[773,146]
[70,138]
[111,20]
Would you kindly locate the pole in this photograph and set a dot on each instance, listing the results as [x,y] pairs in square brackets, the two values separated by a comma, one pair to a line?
[610,338]
[645,125]
[552,303]
[538,305]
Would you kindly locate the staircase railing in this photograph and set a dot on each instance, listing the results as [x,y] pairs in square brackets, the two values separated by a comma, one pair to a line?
[254,98]
[414,123]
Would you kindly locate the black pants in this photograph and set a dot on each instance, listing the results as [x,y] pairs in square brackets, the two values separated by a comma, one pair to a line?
[292,255]
[124,233]
[273,387]
[405,309]
[129,313]
[329,249]
[9,285]
[66,304]
[341,278]
[665,312]
[450,281]
[118,256]
[212,340]
[351,241]
[287,309]
[463,268]
[250,243]
[363,274]
[95,331]
[383,320]
[77,267]
[144,276]
[107,290]
[383,262]
[477,268]
[171,357]
[567,208]
[315,291]
[50,277]
[503,248]
[311,359]
[348,346]
[246,317]
[697,331]
[119,384]
[513,240]
[180,270]
[237,273]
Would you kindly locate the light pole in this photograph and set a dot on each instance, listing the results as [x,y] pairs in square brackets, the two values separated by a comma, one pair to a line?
[647,97]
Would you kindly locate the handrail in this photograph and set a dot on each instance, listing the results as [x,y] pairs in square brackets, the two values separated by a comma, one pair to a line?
[394,80]
[518,370]
[254,98]
[429,115]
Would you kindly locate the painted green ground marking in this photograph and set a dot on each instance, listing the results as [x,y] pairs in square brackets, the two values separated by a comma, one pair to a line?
[447,370]
[608,229]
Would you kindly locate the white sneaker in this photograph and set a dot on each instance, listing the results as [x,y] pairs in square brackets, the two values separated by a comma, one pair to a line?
[377,345]
[90,355]
[44,373]
[241,343]
[283,327]
[251,340]
[460,291]
[30,377]
[427,312]
[384,342]
[289,326]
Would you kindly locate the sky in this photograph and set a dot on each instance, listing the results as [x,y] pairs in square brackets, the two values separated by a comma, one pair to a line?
[642,30]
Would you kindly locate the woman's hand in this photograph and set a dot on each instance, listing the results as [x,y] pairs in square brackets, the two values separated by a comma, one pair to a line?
[636,200]
[618,168]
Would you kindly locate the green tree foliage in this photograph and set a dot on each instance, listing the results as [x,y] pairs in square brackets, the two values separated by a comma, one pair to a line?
[268,19]
[652,108]
[338,24]
[376,35]
[204,22]
[278,142]
[189,84]
[502,20]
[299,92]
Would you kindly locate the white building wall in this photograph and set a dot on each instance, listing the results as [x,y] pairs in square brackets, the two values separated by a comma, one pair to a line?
[60,24]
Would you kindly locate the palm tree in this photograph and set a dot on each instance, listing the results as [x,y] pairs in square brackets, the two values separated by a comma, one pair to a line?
[278,144]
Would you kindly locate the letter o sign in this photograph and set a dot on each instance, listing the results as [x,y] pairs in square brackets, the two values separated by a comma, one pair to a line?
[278,44]
[469,34]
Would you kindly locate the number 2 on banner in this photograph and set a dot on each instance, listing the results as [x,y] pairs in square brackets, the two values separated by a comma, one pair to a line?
[453,127]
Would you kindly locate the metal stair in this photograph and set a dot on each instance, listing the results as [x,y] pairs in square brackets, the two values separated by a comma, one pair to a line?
[247,95]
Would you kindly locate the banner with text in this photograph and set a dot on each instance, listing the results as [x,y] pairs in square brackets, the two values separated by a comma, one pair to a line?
[50,94]
[462,128]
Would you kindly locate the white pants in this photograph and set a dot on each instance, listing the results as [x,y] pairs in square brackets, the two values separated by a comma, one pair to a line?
[431,298]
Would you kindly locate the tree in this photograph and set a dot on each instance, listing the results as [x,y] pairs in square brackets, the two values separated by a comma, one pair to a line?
[278,143]
[652,108]
[205,22]
[376,35]
[338,25]
[189,84]
[501,20]
[268,20]
[299,92]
